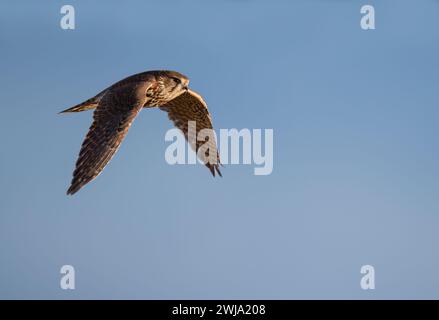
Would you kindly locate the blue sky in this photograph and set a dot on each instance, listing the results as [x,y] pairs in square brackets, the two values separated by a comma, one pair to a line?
[355,177]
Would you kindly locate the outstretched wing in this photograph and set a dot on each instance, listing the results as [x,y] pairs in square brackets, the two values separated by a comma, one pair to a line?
[111,121]
[187,107]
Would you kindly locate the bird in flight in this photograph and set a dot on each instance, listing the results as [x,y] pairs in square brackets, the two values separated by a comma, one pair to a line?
[118,105]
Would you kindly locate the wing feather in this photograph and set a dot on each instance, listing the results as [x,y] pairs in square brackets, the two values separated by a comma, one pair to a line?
[190,106]
[111,121]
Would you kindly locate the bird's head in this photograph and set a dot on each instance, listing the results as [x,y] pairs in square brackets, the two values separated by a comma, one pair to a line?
[172,84]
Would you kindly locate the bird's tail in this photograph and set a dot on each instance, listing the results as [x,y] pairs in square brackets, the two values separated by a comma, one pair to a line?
[86,105]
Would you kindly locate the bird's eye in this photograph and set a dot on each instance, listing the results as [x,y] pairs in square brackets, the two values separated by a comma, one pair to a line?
[177,81]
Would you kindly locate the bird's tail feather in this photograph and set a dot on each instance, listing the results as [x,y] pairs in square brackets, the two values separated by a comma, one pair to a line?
[87,105]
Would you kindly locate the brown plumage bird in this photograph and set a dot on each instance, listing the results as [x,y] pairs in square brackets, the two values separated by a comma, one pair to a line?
[118,105]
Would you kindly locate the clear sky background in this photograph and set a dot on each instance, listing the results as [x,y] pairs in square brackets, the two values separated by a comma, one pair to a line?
[355,179]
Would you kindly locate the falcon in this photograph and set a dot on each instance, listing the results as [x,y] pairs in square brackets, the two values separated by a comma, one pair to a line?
[116,108]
